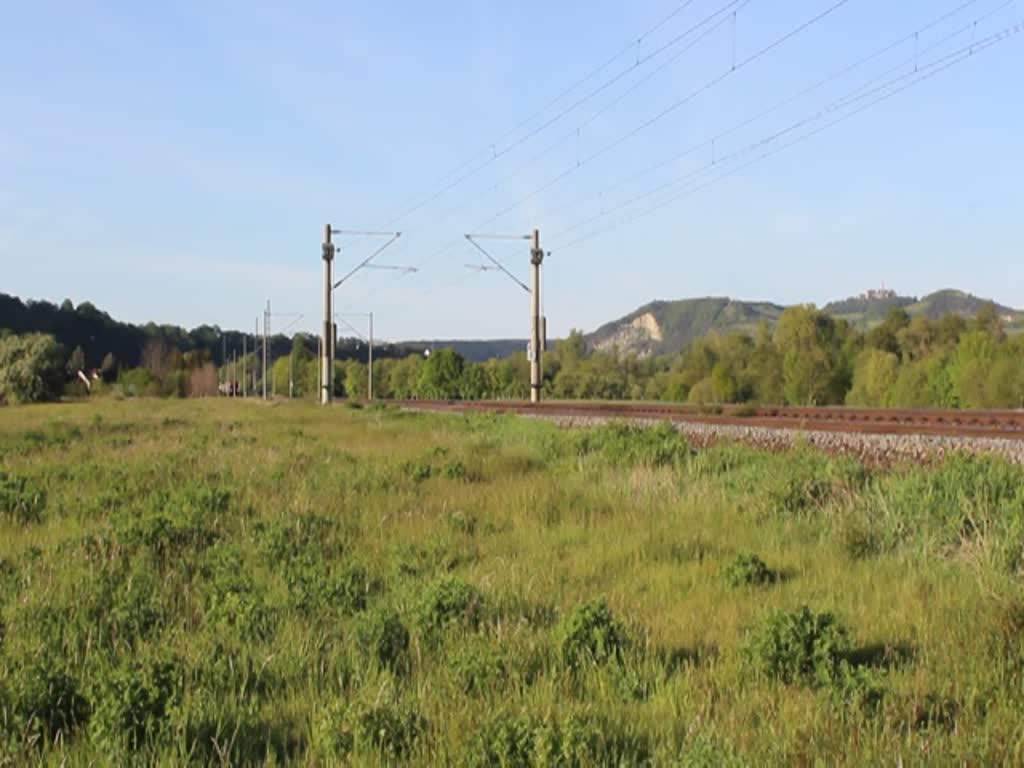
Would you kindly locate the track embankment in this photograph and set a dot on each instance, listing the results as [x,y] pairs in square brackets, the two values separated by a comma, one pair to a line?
[872,435]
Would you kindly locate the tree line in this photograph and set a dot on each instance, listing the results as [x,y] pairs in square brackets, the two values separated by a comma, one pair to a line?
[807,358]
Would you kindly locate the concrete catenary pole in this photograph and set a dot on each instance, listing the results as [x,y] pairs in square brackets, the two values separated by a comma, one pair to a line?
[536,345]
[327,347]
[369,385]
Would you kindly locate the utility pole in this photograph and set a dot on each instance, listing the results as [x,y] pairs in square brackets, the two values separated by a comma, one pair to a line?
[536,345]
[327,348]
[243,363]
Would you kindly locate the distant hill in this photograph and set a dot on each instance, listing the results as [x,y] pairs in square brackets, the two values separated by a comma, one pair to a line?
[864,312]
[663,327]
[476,351]
[668,326]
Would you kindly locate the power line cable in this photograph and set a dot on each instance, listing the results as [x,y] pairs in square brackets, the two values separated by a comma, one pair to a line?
[707,86]
[575,132]
[489,149]
[670,110]
[858,93]
[497,154]
[710,143]
[924,73]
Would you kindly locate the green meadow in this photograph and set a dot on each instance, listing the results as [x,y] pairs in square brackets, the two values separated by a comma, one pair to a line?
[231,583]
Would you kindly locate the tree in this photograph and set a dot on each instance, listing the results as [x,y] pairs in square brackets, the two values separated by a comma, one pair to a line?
[874,378]
[810,347]
[298,358]
[31,369]
[356,379]
[441,375]
[108,368]
[76,362]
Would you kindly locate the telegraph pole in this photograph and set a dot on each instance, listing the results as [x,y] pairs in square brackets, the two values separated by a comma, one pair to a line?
[536,345]
[327,348]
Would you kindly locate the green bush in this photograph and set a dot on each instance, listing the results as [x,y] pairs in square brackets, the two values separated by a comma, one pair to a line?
[131,702]
[476,669]
[383,639]
[800,647]
[810,481]
[31,369]
[21,500]
[575,741]
[623,444]
[449,601]
[138,382]
[388,730]
[317,587]
[749,570]
[232,601]
[590,634]
[47,700]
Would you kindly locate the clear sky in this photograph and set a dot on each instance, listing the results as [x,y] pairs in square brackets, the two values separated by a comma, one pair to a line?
[176,162]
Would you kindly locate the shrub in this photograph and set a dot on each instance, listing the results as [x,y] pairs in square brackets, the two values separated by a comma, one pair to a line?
[31,369]
[47,699]
[21,500]
[231,599]
[625,444]
[454,470]
[316,587]
[590,634]
[809,482]
[390,730]
[580,739]
[749,570]
[476,669]
[383,639]
[800,647]
[449,601]
[417,471]
[131,702]
[138,382]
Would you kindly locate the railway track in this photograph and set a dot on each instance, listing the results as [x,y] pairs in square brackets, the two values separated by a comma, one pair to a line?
[878,421]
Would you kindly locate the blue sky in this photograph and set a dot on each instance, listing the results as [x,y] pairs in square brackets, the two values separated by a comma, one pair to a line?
[176,162]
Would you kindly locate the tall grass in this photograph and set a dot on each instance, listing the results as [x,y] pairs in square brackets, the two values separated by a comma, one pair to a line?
[217,582]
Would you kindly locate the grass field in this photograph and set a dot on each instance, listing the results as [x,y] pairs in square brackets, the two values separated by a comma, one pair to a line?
[221,582]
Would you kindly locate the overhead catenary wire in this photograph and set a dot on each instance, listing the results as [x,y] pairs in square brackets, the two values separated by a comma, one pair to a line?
[778,105]
[857,94]
[575,132]
[628,48]
[665,112]
[497,155]
[921,75]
